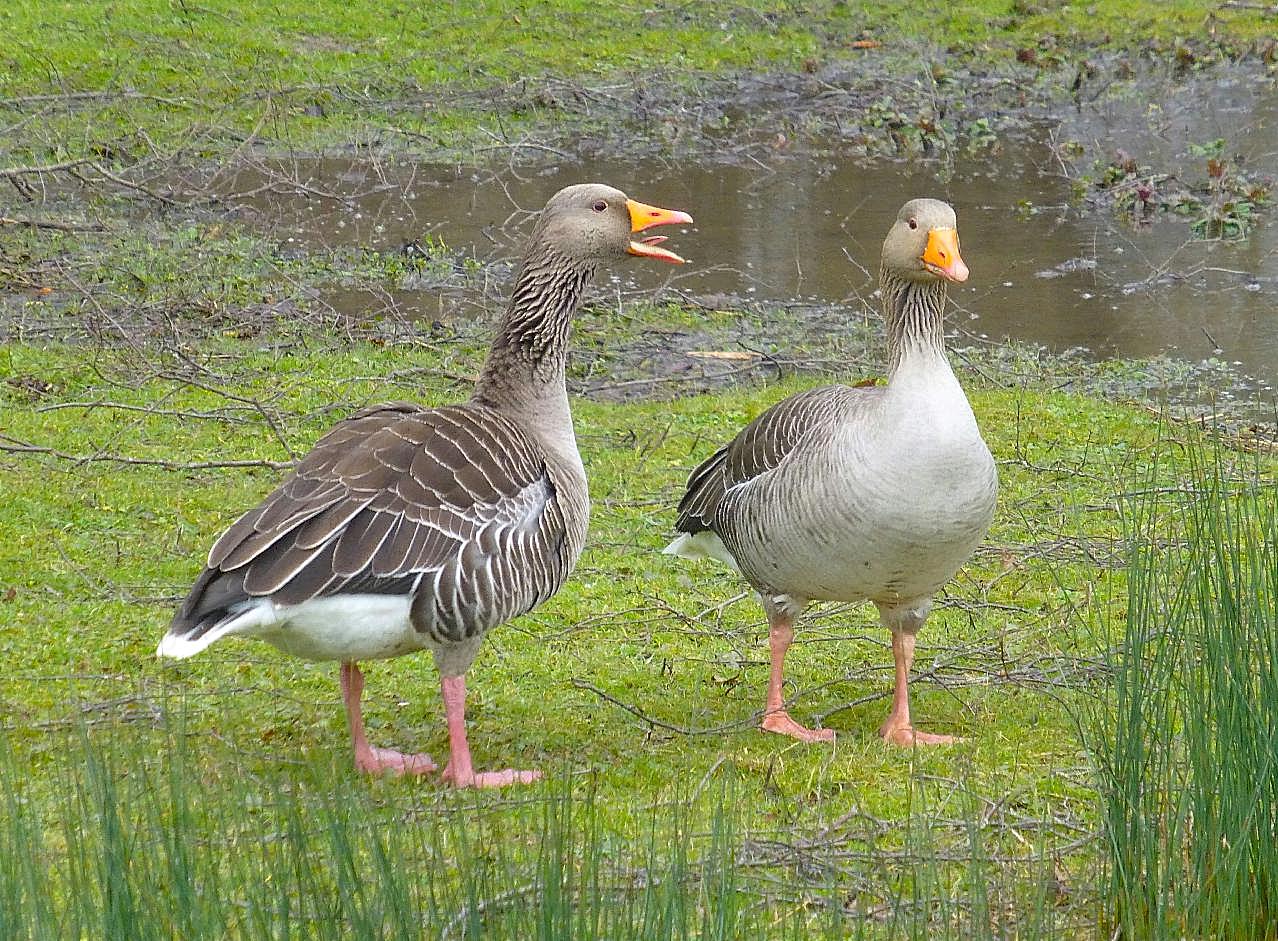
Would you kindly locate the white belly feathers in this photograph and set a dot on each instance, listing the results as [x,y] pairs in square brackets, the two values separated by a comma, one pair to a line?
[883,510]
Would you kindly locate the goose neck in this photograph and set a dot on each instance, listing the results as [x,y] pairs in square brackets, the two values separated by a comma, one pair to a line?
[915,316]
[523,377]
[530,349]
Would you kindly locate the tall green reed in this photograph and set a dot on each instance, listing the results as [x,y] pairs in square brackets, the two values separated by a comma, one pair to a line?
[129,832]
[123,833]
[1187,746]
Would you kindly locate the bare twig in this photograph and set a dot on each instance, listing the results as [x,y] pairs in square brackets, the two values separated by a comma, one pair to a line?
[484,905]
[56,98]
[129,184]
[659,380]
[144,409]
[243,400]
[661,723]
[15,446]
[521,145]
[1271,9]
[52,224]
[45,168]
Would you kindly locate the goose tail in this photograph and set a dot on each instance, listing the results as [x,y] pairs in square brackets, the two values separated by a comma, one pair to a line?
[216,606]
[703,545]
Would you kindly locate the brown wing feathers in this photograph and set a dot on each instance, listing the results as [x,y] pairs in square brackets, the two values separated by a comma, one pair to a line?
[706,486]
[390,493]
[759,447]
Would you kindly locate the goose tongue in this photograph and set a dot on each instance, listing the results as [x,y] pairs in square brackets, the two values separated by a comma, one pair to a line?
[648,247]
[642,217]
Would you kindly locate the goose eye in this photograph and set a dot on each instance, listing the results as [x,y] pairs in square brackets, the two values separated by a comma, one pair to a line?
[914,224]
[599,205]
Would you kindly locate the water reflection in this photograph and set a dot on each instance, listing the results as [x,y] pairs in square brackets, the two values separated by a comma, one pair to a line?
[1044,269]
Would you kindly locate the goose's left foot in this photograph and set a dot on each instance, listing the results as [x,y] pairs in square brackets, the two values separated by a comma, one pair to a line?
[781,723]
[907,735]
[368,758]
[897,729]
[375,760]
[460,772]
[481,779]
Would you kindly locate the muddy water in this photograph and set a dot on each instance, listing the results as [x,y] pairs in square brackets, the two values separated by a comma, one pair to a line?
[1045,268]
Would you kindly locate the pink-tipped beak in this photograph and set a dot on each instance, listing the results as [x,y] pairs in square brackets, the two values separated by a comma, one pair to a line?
[942,255]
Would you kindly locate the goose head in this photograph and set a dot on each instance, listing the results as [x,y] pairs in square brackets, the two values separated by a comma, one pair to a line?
[590,223]
[923,243]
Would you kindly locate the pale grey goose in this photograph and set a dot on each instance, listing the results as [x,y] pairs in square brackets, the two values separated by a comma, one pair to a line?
[872,493]
[407,527]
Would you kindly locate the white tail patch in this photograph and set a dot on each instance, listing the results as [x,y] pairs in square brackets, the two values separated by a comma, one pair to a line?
[338,627]
[702,545]
[259,613]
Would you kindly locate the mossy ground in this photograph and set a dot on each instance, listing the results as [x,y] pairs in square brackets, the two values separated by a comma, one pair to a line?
[315,74]
[98,552]
[148,109]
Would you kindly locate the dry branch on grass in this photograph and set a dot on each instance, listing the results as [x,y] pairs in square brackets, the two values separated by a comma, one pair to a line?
[44,169]
[12,445]
[53,224]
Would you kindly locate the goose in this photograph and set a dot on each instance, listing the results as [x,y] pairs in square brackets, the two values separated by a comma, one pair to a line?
[410,528]
[841,493]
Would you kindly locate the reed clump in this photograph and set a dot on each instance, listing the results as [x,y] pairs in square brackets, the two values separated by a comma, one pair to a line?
[1187,749]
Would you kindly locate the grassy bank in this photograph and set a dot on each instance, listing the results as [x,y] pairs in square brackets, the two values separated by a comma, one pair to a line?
[156,164]
[1188,748]
[138,848]
[635,688]
[112,81]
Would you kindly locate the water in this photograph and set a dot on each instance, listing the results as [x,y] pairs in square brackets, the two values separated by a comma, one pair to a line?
[1046,268]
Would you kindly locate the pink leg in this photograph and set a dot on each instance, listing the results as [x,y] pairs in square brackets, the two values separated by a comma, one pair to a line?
[896,728]
[775,718]
[367,758]
[460,772]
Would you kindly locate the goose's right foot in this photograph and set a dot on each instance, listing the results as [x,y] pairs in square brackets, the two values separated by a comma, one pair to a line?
[387,761]
[781,723]
[775,718]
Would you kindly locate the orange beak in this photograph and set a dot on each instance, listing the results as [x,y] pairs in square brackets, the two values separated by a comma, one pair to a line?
[643,217]
[941,257]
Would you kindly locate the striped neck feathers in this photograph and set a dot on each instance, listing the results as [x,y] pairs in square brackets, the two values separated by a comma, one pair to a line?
[531,345]
[915,315]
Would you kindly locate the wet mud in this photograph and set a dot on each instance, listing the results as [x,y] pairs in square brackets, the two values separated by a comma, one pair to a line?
[1049,266]
[790,225]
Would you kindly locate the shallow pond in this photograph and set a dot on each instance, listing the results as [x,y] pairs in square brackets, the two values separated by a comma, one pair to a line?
[1046,266]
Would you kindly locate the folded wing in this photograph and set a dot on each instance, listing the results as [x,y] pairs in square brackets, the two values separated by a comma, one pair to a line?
[759,447]
[454,506]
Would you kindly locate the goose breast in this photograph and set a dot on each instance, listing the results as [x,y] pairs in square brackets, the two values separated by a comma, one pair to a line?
[876,509]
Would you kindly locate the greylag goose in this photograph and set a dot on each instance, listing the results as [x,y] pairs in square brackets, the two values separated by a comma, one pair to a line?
[407,527]
[872,493]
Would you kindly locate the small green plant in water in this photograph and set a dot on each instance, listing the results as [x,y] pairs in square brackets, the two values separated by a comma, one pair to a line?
[1225,206]
[1233,200]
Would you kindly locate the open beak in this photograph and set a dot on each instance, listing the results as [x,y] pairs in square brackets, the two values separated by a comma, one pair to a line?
[644,217]
[942,258]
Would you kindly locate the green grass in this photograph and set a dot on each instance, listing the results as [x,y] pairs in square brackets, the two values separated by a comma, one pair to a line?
[1117,770]
[125,777]
[145,840]
[211,276]
[202,76]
